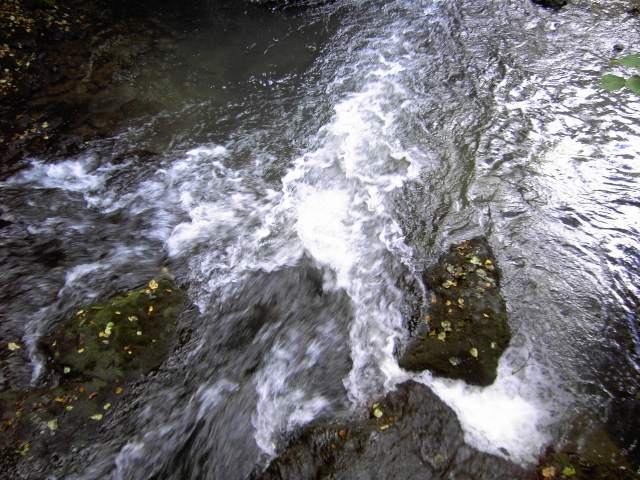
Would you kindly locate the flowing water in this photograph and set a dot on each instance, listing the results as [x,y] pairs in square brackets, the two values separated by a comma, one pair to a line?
[307,167]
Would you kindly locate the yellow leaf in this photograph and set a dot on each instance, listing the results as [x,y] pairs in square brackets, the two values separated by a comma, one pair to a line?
[24,448]
[549,472]
[97,417]
[153,284]
[52,425]
[13,346]
[474,352]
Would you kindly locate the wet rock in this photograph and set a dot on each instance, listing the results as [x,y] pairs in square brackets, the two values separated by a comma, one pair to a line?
[94,356]
[466,329]
[553,4]
[410,434]
[129,334]
[623,424]
[570,465]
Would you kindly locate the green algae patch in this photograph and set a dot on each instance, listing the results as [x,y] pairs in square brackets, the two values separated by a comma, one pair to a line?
[110,341]
[466,329]
[96,353]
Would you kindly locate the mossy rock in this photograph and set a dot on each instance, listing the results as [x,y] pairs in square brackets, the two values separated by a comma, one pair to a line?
[466,329]
[96,352]
[123,336]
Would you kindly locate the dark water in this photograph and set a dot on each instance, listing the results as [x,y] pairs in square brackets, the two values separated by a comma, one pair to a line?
[306,167]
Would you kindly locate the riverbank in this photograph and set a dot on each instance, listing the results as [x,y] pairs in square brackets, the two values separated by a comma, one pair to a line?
[65,70]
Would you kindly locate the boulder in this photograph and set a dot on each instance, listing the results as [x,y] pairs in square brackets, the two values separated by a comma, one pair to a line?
[466,329]
[410,434]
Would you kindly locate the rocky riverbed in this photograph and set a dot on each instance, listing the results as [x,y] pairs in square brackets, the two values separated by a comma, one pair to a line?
[268,171]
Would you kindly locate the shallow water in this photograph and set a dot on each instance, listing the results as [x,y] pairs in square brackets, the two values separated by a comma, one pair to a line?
[308,166]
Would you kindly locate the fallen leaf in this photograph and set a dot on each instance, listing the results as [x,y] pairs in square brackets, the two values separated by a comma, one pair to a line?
[119,390]
[377,412]
[475,261]
[68,408]
[52,425]
[13,346]
[549,472]
[474,352]
[153,285]
[66,370]
[97,417]
[24,448]
[569,471]
[106,406]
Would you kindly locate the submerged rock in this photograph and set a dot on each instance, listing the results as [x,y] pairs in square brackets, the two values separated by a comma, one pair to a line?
[553,4]
[411,434]
[95,355]
[466,329]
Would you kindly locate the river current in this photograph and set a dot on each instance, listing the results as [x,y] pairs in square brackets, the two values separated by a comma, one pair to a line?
[307,167]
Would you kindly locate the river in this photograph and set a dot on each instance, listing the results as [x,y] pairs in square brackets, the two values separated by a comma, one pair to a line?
[305,168]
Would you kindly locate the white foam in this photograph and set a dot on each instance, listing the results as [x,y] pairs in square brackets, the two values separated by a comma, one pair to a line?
[282,404]
[503,419]
[79,271]
[321,227]
[74,175]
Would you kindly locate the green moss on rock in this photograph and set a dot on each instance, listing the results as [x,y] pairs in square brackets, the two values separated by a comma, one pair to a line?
[96,353]
[126,335]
